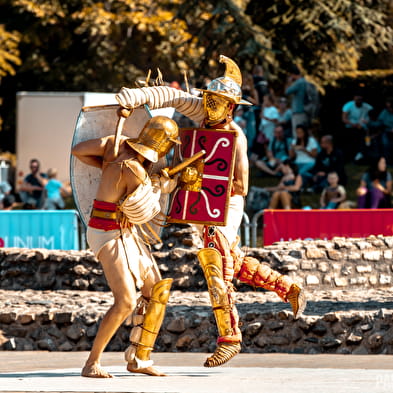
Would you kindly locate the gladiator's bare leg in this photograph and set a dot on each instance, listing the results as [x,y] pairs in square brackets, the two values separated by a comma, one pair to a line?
[122,285]
[153,277]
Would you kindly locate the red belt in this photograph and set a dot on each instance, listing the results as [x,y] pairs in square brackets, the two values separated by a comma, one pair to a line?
[100,216]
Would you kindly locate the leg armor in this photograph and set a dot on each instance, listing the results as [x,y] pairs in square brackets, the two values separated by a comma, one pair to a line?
[213,238]
[252,272]
[147,325]
[229,340]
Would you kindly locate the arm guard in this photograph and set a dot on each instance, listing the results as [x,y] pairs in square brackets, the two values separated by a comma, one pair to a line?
[142,205]
[162,97]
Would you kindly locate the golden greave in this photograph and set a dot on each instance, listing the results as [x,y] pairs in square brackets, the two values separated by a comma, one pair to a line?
[220,295]
[153,318]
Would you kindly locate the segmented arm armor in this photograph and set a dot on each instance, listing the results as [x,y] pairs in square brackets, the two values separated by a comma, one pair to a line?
[162,97]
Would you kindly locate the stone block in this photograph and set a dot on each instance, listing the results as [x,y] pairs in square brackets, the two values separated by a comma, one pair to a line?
[388,255]
[363,268]
[289,267]
[330,342]
[327,279]
[64,317]
[184,341]
[75,331]
[8,317]
[315,253]
[372,255]
[338,329]
[323,267]
[330,317]
[362,245]
[354,339]
[340,282]
[335,255]
[385,279]
[307,265]
[46,344]
[375,340]
[253,329]
[340,242]
[354,256]
[25,319]
[66,346]
[373,280]
[388,241]
[80,270]
[358,280]
[319,328]
[176,325]
[312,280]
[298,254]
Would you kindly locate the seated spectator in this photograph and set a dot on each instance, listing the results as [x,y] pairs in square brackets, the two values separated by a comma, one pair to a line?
[386,119]
[333,194]
[53,188]
[269,116]
[277,152]
[329,159]
[287,193]
[303,152]
[285,116]
[31,190]
[375,186]
[354,117]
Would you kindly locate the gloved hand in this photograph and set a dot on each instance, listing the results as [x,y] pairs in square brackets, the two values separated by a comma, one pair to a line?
[165,184]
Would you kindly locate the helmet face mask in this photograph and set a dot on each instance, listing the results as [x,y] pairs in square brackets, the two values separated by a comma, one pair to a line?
[216,107]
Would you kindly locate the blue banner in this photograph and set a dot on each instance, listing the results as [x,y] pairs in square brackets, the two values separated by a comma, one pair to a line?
[50,229]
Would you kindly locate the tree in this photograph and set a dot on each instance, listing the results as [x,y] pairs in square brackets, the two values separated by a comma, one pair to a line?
[78,45]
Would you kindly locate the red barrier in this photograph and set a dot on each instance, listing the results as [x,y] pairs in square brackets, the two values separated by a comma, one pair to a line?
[283,225]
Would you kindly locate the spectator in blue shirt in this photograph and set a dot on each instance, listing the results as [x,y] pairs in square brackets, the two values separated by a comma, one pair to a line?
[355,118]
[54,188]
[297,88]
[276,153]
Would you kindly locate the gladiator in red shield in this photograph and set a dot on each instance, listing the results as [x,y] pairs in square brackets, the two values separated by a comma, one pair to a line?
[205,185]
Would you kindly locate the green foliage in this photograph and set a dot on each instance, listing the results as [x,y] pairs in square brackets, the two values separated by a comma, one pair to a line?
[94,45]
[9,53]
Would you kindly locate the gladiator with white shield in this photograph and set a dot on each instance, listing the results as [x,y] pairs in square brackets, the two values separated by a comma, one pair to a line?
[127,198]
[221,259]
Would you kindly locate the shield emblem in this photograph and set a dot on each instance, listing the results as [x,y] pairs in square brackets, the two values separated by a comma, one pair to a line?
[205,186]
[97,122]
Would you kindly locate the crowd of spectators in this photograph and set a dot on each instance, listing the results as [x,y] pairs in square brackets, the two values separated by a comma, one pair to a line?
[39,190]
[280,129]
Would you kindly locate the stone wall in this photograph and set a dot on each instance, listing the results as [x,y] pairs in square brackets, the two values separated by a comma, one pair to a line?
[54,300]
[68,321]
[324,264]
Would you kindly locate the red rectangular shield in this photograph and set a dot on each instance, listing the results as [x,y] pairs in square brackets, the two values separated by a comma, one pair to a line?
[208,204]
